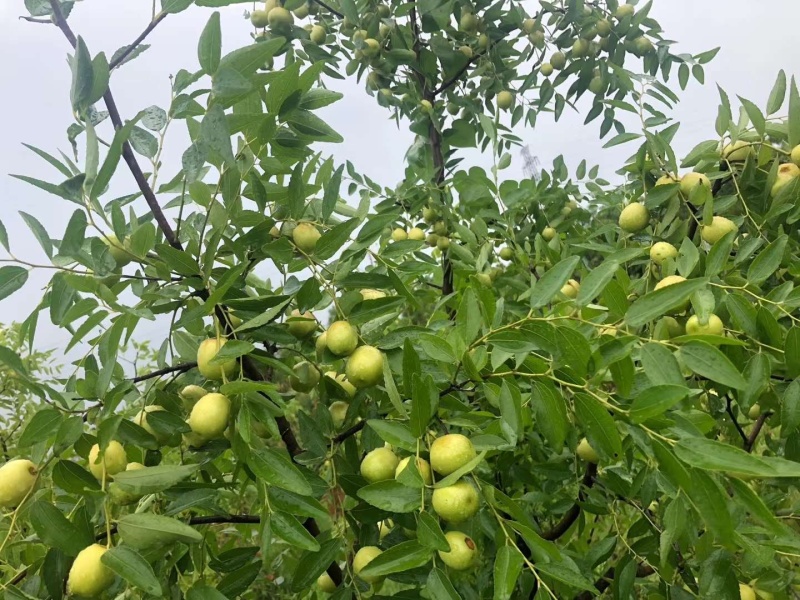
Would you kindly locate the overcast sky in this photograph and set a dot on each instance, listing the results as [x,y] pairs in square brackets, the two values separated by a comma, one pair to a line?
[757,40]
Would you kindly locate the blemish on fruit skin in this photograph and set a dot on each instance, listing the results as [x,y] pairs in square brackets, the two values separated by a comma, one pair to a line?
[470,544]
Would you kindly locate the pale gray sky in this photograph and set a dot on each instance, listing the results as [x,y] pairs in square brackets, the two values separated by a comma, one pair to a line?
[757,40]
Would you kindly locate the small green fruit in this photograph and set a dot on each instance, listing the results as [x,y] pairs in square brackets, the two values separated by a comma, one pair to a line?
[423,466]
[318,36]
[114,460]
[190,395]
[88,576]
[603,28]
[714,326]
[280,18]
[661,251]
[506,253]
[669,280]
[216,371]
[634,217]
[456,503]
[363,557]
[306,236]
[141,420]
[451,452]
[692,180]
[787,172]
[571,289]
[338,411]
[368,294]
[754,412]
[443,243]
[426,106]
[371,48]
[118,250]
[342,338]
[462,553]
[505,100]
[746,592]
[597,85]
[718,228]
[341,380]
[625,10]
[529,25]
[580,48]
[546,69]
[365,367]
[468,23]
[259,18]
[17,478]
[484,279]
[301,326]
[326,584]
[399,234]
[379,465]
[466,51]
[642,45]
[305,377]
[548,233]
[738,151]
[416,234]
[795,155]
[586,452]
[558,60]
[209,417]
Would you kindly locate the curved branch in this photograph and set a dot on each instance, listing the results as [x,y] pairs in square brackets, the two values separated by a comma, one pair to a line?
[152,25]
[454,79]
[349,432]
[127,151]
[575,510]
[751,440]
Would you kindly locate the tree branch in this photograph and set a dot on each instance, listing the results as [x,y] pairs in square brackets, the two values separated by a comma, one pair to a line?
[575,510]
[181,368]
[349,432]
[452,81]
[328,8]
[251,371]
[751,440]
[152,25]
[127,151]
[729,410]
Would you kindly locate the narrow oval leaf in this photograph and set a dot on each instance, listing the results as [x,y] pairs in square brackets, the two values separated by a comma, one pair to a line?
[402,557]
[133,568]
[709,362]
[148,530]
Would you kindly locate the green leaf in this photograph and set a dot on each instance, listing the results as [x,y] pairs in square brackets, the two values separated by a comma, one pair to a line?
[440,587]
[402,557]
[175,6]
[147,530]
[550,411]
[707,361]
[552,281]
[312,564]
[424,400]
[507,567]
[790,408]
[659,302]
[656,400]
[767,261]
[249,59]
[778,94]
[392,496]
[395,433]
[275,468]
[753,112]
[288,528]
[55,530]
[711,455]
[595,282]
[133,568]
[153,479]
[467,467]
[268,316]
[310,125]
[201,591]
[791,351]
[566,574]
[599,426]
[231,350]
[430,534]
[711,503]
[44,423]
[82,77]
[177,260]
[794,115]
[660,365]
[39,232]
[209,47]
[391,388]
[12,278]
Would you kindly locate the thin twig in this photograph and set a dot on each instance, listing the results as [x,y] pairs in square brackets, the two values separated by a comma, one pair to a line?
[604,582]
[35,20]
[454,79]
[181,368]
[328,8]
[349,432]
[152,25]
[751,441]
[729,410]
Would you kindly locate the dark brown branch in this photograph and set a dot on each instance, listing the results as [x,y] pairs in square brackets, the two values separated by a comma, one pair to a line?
[328,8]
[127,151]
[729,410]
[454,79]
[575,510]
[152,25]
[751,440]
[605,581]
[251,371]
[181,368]
[349,432]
